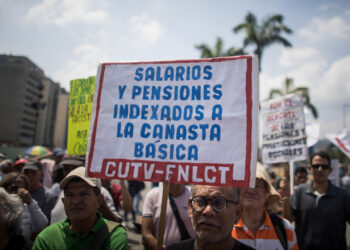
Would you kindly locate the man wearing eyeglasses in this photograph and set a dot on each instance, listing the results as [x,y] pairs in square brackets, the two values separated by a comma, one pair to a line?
[320,209]
[213,211]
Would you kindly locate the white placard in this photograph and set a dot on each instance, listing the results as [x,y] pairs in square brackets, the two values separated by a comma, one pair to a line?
[190,121]
[283,130]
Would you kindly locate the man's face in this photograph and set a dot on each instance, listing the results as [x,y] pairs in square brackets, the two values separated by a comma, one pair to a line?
[15,185]
[319,174]
[255,197]
[300,178]
[80,201]
[34,177]
[211,226]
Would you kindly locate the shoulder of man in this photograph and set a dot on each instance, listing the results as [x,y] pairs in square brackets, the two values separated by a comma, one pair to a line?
[117,238]
[49,194]
[152,198]
[187,190]
[52,233]
[286,223]
[304,186]
[301,189]
[339,191]
[153,193]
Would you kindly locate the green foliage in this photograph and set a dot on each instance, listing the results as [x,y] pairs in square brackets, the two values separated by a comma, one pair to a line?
[264,35]
[217,51]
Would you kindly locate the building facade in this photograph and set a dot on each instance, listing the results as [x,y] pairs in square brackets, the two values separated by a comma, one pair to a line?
[47,114]
[28,103]
[61,131]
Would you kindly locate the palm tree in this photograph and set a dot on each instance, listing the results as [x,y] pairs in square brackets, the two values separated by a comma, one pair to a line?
[263,35]
[288,89]
[217,51]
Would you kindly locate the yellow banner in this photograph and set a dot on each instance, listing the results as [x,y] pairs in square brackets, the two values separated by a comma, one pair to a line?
[80,105]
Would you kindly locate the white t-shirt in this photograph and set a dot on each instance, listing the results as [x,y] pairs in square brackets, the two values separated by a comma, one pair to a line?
[152,207]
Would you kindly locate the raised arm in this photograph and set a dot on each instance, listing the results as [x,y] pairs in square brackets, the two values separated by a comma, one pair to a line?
[126,202]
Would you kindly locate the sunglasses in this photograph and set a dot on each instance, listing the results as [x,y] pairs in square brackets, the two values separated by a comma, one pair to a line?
[218,203]
[323,166]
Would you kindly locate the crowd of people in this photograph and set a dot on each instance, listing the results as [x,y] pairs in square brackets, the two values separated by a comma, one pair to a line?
[49,203]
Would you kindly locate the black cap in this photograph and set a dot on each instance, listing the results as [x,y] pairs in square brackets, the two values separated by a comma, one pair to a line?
[73,160]
[34,165]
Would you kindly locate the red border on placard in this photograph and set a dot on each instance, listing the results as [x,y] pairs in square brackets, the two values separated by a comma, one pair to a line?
[249,105]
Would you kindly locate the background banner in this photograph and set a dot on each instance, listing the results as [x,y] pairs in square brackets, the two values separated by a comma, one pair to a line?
[283,130]
[341,141]
[80,105]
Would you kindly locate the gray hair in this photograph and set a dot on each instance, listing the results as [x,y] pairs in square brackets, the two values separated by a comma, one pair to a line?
[234,196]
[11,209]
[6,166]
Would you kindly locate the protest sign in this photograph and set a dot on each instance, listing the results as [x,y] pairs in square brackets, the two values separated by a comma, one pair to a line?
[80,105]
[341,141]
[283,130]
[189,121]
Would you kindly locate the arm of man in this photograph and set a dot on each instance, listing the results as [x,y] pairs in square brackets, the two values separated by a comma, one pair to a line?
[38,220]
[148,239]
[289,205]
[107,207]
[107,213]
[126,202]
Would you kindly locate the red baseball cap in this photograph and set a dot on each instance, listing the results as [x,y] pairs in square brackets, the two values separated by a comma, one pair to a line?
[21,161]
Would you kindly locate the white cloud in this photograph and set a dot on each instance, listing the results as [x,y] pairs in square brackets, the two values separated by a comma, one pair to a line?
[319,29]
[65,12]
[84,64]
[336,85]
[324,7]
[296,56]
[149,31]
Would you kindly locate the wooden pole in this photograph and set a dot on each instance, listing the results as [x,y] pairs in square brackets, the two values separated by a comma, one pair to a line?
[162,220]
[291,177]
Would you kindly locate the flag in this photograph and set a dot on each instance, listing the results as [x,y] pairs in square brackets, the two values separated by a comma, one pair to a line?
[342,141]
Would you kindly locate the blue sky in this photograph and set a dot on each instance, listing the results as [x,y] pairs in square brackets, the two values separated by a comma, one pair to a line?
[69,38]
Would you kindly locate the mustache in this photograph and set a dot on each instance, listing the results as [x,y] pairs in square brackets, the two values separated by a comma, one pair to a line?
[76,208]
[249,192]
[202,220]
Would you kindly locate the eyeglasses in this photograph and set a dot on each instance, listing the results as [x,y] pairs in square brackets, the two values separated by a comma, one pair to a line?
[218,203]
[323,166]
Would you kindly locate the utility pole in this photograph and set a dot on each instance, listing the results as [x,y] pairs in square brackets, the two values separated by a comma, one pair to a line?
[344,114]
